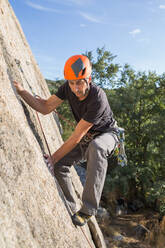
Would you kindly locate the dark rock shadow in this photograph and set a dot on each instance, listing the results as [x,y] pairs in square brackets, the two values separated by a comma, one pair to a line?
[32,127]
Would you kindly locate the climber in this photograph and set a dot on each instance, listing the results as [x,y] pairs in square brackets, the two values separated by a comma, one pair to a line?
[93,139]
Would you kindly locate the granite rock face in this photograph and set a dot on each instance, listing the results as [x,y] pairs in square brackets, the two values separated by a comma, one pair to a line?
[33,212]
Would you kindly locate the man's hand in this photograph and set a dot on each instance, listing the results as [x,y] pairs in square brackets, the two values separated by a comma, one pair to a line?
[81,129]
[49,163]
[18,87]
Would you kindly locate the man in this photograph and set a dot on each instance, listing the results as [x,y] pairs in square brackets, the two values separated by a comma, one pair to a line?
[94,137]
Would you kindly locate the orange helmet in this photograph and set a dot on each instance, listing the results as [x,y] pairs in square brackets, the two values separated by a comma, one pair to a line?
[77,67]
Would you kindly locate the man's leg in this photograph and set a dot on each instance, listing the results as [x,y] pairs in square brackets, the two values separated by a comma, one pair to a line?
[63,174]
[96,155]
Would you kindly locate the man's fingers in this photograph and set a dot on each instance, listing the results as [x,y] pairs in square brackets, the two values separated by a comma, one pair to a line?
[48,163]
[46,156]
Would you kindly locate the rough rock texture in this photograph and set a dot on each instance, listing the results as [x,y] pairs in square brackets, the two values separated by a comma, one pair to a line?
[33,212]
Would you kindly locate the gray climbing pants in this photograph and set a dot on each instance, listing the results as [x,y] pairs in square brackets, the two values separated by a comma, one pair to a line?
[96,153]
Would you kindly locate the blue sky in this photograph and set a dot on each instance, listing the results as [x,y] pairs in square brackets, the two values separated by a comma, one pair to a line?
[133,30]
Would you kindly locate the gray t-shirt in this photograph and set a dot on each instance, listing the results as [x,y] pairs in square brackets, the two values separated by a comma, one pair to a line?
[94,108]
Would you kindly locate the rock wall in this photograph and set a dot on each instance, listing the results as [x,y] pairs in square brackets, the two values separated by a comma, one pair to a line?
[33,212]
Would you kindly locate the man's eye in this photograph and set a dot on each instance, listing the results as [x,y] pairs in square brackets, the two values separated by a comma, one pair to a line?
[80,82]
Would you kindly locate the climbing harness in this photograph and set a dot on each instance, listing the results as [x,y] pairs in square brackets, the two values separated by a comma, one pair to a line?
[89,137]
[45,159]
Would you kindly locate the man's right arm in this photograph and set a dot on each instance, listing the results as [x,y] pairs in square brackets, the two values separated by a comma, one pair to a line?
[41,105]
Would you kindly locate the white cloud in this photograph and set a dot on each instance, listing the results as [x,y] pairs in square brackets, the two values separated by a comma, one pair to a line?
[90,17]
[83,25]
[144,41]
[42,8]
[135,32]
[162,6]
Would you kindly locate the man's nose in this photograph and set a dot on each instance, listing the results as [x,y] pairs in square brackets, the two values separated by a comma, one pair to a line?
[76,87]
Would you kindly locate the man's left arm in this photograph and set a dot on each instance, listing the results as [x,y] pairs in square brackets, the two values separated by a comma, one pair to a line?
[81,129]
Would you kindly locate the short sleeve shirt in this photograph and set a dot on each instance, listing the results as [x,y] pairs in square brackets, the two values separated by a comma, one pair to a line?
[94,108]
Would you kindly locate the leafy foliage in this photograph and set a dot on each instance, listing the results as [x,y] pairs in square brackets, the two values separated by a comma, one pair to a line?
[104,72]
[139,106]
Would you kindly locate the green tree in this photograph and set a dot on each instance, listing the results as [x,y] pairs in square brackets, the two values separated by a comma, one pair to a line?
[104,72]
[139,106]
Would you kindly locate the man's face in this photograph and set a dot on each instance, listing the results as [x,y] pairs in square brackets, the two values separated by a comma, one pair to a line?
[79,88]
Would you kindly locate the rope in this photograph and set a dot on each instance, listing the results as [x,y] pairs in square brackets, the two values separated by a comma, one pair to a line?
[86,237]
[19,66]
[61,190]
[43,134]
[36,96]
[63,194]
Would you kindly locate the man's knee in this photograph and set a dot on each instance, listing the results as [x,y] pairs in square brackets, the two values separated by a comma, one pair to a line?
[102,146]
